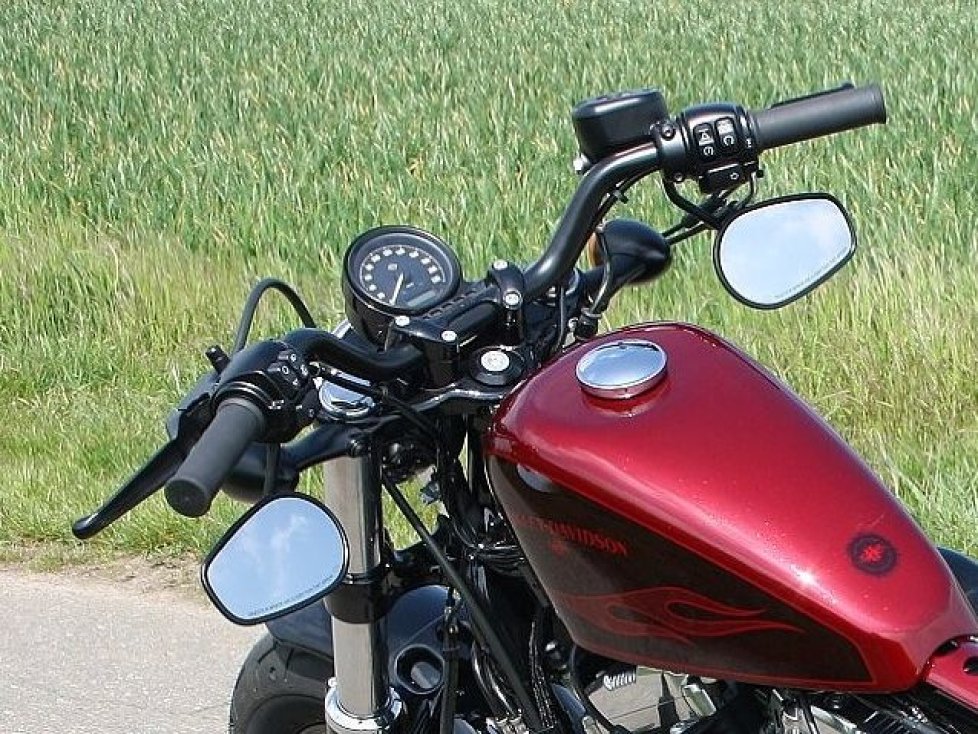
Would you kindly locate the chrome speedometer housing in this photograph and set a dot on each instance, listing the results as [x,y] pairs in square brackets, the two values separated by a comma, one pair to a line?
[396,270]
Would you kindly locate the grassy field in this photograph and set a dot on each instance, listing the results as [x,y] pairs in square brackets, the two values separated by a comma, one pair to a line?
[157,156]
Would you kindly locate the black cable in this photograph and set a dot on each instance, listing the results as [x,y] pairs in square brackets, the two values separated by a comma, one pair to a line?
[488,687]
[561,319]
[450,654]
[499,553]
[689,224]
[686,234]
[382,395]
[251,306]
[272,455]
[479,616]
[600,301]
[496,553]
[616,196]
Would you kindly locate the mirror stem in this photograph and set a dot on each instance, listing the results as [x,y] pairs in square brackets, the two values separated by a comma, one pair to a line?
[272,454]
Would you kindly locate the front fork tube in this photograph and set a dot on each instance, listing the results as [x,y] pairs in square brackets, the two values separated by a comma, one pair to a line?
[359,700]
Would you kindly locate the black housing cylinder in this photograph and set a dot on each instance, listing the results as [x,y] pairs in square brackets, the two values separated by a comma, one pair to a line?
[614,122]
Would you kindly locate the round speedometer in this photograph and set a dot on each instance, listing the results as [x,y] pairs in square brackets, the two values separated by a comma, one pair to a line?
[391,271]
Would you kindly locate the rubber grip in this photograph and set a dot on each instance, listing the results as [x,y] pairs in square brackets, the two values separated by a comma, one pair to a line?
[818,115]
[237,424]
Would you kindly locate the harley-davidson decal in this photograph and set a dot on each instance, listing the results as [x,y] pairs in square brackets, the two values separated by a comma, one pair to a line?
[663,605]
[565,531]
[671,612]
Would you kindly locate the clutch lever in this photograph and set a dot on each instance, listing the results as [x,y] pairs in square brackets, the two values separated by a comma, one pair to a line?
[185,425]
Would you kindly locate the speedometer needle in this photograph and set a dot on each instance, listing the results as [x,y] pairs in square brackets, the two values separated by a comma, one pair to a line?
[397,288]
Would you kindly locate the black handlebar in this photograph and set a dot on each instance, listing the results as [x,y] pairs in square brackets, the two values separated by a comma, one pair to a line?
[819,114]
[578,221]
[788,122]
[236,425]
[319,345]
[240,421]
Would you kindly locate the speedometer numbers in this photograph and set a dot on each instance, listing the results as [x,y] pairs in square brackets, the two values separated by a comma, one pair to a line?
[403,276]
[392,271]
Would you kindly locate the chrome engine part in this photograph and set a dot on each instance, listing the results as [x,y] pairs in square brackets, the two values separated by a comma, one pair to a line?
[511,725]
[652,701]
[649,700]
[851,715]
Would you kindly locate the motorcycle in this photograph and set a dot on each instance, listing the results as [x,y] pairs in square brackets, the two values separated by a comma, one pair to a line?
[637,531]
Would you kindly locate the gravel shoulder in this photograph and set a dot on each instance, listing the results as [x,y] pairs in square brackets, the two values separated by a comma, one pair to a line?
[79,561]
[126,645]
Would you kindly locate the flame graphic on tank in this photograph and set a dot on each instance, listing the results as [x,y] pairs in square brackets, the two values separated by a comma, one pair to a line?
[659,612]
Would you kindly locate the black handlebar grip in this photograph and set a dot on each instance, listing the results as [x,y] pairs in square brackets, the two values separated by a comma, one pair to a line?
[817,115]
[235,426]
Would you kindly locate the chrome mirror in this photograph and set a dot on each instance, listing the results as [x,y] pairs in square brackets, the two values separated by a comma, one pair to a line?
[284,553]
[772,253]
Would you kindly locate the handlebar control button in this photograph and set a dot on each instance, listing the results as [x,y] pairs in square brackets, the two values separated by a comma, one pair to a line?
[727,132]
[724,177]
[706,141]
[285,377]
[290,373]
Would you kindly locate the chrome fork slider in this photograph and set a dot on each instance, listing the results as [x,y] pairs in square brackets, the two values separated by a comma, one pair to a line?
[359,699]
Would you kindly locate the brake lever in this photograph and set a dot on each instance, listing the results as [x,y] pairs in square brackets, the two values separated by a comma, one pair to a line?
[192,417]
[140,487]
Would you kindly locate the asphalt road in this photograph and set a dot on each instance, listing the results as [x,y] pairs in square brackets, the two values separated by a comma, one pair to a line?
[89,656]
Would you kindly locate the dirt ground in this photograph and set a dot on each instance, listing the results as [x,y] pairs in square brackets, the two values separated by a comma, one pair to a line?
[140,574]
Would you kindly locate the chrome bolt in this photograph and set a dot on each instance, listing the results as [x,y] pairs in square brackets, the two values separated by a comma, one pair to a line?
[500,265]
[402,320]
[512,299]
[448,335]
[581,164]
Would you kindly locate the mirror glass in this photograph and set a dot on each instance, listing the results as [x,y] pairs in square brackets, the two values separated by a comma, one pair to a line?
[770,254]
[286,552]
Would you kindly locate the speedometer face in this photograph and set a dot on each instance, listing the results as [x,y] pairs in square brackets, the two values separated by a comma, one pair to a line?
[403,275]
[391,271]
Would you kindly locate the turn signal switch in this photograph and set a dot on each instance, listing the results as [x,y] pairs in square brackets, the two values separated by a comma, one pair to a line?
[712,143]
[275,378]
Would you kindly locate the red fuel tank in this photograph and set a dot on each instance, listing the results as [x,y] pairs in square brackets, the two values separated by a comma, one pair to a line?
[714,524]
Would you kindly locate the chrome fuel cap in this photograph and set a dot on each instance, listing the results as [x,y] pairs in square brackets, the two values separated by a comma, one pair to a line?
[621,369]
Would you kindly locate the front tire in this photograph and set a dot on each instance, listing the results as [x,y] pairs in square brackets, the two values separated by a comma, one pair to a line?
[280,690]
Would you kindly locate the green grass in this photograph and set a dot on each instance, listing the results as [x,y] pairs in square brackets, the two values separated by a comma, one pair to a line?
[157,157]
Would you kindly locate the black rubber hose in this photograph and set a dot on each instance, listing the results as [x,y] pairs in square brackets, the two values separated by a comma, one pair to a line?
[192,489]
[820,114]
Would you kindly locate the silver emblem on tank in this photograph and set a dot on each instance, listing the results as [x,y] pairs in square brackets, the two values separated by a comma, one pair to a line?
[621,369]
